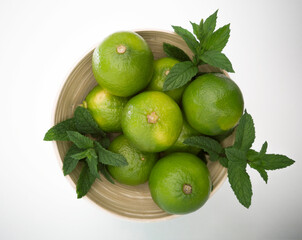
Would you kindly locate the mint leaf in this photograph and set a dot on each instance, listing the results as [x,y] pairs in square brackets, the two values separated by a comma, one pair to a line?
[85,123]
[261,161]
[105,142]
[274,161]
[179,75]
[224,161]
[260,170]
[84,154]
[252,155]
[263,149]
[105,173]
[80,155]
[110,158]
[238,177]
[198,30]
[188,37]
[175,52]
[59,131]
[79,140]
[218,40]
[69,162]
[85,181]
[240,183]
[92,161]
[237,156]
[217,59]
[245,133]
[210,23]
[209,145]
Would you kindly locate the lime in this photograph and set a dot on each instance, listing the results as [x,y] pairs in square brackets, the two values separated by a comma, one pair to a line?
[139,164]
[123,64]
[105,108]
[180,183]
[162,68]
[213,104]
[152,121]
[186,132]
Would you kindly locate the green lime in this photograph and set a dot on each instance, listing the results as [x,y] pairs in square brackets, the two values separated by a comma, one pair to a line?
[123,64]
[139,164]
[180,183]
[152,121]
[162,68]
[213,104]
[105,108]
[186,132]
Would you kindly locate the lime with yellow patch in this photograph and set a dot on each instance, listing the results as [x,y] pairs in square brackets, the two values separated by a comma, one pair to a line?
[180,183]
[105,108]
[152,121]
[123,63]
[139,164]
[162,68]
[213,104]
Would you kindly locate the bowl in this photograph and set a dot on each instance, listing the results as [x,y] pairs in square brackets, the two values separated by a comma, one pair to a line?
[131,202]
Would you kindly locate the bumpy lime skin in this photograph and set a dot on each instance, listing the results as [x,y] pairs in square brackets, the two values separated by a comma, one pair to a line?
[123,74]
[105,108]
[162,66]
[213,104]
[139,164]
[152,137]
[168,177]
[186,132]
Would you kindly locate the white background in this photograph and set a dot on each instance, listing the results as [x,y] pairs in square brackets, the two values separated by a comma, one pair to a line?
[40,42]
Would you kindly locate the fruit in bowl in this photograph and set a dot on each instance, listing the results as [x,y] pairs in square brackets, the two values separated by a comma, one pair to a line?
[123,64]
[112,124]
[152,121]
[180,183]
[139,165]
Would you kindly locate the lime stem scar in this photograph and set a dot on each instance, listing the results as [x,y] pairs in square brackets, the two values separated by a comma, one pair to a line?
[121,49]
[152,117]
[187,189]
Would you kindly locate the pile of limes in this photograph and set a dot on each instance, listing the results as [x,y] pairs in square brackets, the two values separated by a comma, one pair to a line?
[153,124]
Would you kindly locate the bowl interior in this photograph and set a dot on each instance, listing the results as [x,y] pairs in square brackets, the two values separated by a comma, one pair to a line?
[133,202]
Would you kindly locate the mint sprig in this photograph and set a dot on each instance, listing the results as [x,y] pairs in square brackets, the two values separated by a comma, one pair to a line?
[89,145]
[236,158]
[206,45]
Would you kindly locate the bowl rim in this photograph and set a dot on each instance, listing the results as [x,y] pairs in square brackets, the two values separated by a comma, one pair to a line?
[55,146]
